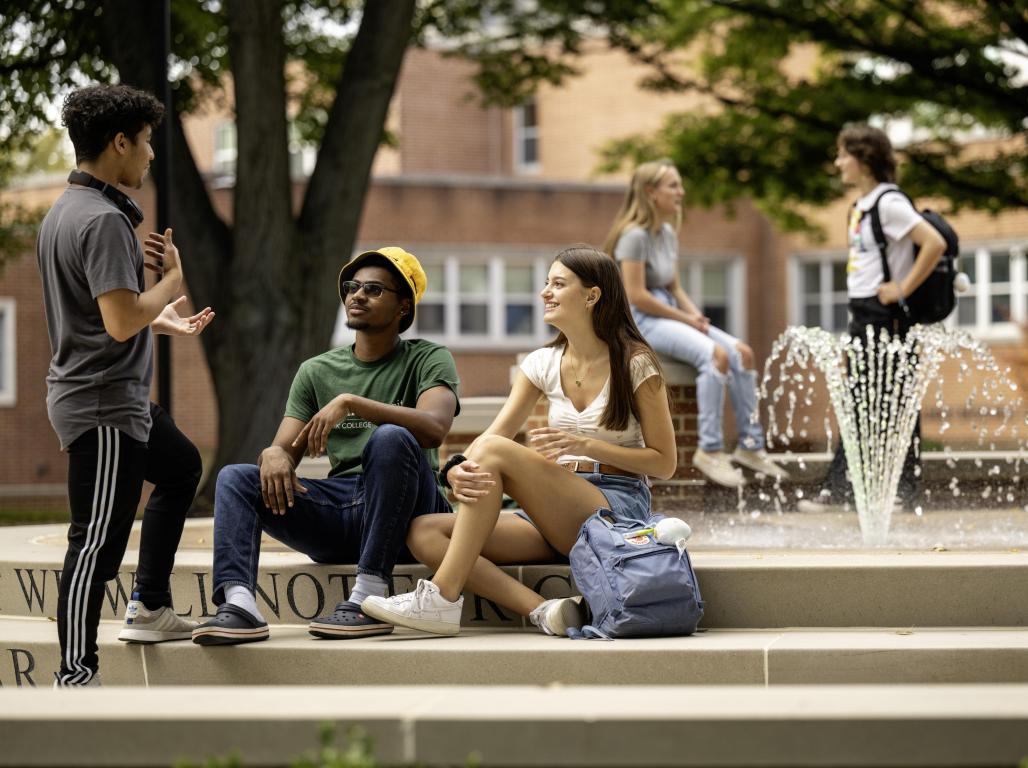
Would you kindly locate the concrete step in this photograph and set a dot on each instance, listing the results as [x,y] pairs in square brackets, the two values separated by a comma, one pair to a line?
[743,589]
[502,657]
[627,725]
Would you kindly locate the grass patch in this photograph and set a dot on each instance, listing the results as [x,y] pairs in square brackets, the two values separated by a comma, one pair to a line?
[31,516]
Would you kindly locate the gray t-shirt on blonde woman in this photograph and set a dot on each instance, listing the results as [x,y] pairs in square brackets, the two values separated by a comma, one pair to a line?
[659,252]
[87,248]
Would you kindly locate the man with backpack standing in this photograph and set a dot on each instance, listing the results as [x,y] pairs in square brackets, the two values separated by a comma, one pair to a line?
[879,284]
[100,317]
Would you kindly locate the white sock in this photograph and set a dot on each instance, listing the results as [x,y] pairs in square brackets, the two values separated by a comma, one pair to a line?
[367,585]
[241,597]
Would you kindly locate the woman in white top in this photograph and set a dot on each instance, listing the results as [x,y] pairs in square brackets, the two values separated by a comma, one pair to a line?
[644,241]
[866,161]
[609,426]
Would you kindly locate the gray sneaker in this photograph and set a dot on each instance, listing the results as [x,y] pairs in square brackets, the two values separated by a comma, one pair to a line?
[158,626]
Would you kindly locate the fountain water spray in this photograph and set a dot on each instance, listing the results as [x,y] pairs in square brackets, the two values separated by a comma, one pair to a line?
[876,386]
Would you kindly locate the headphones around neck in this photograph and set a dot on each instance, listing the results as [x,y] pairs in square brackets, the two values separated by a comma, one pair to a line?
[124,203]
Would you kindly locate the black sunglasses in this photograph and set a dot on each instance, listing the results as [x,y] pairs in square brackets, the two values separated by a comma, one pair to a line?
[371,290]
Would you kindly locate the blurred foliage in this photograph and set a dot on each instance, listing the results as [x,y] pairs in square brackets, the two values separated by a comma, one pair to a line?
[781,79]
[18,225]
[358,752]
[953,69]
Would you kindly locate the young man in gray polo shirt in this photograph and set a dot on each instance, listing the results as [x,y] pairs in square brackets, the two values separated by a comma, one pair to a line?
[100,318]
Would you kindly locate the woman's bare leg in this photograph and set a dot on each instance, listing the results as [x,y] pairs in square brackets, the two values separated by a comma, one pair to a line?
[513,540]
[557,501]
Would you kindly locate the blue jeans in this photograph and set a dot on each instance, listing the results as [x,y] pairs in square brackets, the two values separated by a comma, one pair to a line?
[353,518]
[682,342]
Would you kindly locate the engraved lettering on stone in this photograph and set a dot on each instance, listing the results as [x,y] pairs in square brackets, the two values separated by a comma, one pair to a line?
[200,583]
[272,604]
[480,612]
[22,671]
[32,589]
[318,590]
[566,580]
[119,591]
[345,579]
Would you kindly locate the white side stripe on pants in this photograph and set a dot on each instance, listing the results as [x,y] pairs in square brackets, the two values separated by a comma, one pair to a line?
[108,449]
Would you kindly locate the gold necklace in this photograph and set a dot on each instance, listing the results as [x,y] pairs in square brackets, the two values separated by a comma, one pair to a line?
[579,379]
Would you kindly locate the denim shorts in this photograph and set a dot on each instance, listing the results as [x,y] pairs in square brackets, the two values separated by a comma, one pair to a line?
[628,497]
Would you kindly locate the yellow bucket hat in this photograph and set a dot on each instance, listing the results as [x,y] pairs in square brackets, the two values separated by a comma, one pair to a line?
[404,264]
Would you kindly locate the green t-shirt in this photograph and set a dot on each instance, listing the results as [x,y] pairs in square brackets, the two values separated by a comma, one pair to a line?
[399,378]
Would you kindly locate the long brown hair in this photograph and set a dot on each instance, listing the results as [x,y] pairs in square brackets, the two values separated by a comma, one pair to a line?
[613,324]
[637,208]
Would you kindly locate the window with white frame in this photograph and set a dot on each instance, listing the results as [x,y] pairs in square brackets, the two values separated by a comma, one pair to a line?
[225,150]
[7,352]
[716,286]
[430,315]
[998,296]
[526,137]
[820,292]
[483,302]
[994,304]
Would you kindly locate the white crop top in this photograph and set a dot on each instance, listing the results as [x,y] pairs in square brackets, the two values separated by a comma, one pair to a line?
[542,368]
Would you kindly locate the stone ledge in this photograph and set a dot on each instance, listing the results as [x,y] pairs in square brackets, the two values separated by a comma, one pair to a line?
[742,588]
[526,726]
[503,657]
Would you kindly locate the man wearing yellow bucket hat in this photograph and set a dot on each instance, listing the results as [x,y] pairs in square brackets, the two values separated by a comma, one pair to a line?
[380,409]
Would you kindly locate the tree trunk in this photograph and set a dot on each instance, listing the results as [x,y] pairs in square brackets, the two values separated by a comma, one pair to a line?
[262,313]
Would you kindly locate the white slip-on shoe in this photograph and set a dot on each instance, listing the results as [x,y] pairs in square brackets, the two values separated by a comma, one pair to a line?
[554,617]
[424,608]
[718,468]
[161,625]
[760,462]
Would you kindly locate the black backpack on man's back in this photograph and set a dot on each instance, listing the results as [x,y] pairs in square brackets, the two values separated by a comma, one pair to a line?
[934,299]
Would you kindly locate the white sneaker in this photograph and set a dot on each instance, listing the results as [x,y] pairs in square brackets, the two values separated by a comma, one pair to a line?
[424,608]
[146,626]
[554,617]
[717,467]
[759,461]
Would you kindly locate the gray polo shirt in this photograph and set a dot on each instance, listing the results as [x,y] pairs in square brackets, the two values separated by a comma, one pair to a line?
[659,252]
[86,247]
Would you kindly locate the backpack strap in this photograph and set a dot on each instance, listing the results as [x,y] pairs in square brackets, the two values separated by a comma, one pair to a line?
[881,241]
[879,234]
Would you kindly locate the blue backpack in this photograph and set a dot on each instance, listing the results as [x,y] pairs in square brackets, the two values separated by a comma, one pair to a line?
[634,586]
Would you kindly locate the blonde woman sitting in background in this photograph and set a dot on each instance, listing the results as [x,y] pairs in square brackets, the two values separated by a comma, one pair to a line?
[644,241]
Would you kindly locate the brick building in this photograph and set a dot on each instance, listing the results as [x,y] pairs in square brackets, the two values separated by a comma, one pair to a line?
[485,197]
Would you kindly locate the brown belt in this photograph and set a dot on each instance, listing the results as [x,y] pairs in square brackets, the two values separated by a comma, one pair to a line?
[594,467]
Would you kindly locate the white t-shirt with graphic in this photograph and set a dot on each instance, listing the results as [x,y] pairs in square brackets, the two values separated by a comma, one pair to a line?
[542,368]
[864,267]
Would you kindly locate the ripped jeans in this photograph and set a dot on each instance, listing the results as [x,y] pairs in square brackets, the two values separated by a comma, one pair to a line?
[682,342]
